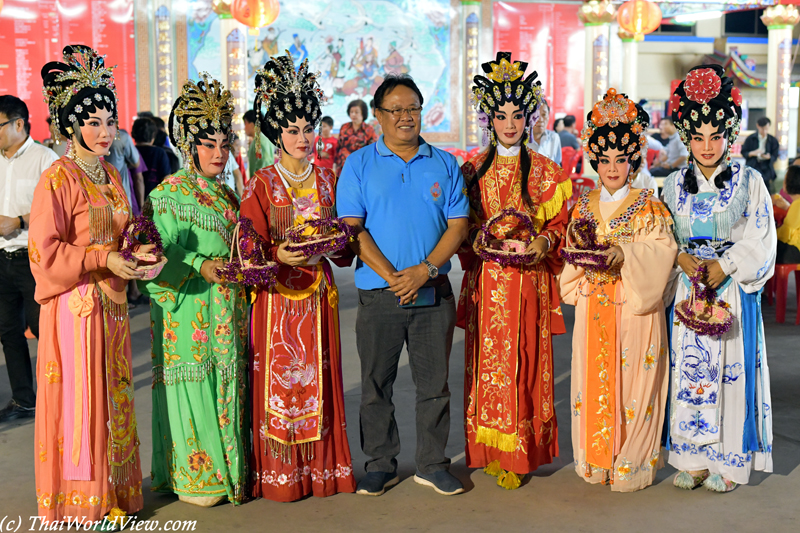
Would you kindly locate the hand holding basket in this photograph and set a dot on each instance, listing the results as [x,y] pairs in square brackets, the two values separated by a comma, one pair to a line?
[150,264]
[251,266]
[338,233]
[703,312]
[583,249]
[508,251]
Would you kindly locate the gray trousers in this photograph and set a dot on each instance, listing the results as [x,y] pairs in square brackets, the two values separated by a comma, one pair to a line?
[382,328]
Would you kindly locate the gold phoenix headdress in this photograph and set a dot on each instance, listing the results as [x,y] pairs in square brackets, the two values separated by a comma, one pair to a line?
[205,106]
[505,82]
[283,93]
[81,81]
[616,122]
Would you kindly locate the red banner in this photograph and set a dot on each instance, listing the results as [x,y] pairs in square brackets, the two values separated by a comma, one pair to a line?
[33,33]
[549,37]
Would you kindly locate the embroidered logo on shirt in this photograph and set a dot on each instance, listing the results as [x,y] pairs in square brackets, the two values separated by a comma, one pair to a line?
[436,192]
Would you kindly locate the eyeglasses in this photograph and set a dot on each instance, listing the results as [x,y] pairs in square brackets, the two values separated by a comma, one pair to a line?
[399,112]
[9,121]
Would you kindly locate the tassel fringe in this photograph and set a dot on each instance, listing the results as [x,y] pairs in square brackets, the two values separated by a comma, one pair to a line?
[509,480]
[493,469]
[506,442]
[552,207]
[717,483]
[190,213]
[179,373]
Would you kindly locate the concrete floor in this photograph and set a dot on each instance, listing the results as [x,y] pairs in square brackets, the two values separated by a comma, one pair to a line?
[554,498]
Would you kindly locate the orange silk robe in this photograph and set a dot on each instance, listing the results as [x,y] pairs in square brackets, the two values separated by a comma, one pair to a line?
[620,364]
[87,448]
[509,315]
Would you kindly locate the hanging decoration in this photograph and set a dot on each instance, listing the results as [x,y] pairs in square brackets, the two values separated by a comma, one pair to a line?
[255,13]
[222,8]
[639,17]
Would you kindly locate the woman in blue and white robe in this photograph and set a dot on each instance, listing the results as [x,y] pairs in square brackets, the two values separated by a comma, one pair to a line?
[719,425]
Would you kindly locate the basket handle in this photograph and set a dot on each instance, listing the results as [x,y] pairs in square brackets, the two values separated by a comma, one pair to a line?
[235,244]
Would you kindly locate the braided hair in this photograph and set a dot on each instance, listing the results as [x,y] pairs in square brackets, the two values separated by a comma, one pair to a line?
[706,96]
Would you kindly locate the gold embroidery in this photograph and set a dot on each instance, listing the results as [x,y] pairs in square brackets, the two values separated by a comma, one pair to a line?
[54,180]
[33,253]
[53,373]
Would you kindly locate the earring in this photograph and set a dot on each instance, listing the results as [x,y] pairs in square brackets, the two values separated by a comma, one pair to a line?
[491,138]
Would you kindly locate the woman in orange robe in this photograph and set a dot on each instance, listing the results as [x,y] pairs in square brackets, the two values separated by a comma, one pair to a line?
[299,438]
[620,363]
[511,313]
[87,448]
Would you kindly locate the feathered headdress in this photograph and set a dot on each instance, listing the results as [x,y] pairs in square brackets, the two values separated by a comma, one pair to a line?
[75,87]
[202,108]
[505,82]
[283,93]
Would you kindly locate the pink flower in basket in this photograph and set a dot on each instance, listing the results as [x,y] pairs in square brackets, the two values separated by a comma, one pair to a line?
[199,336]
[516,247]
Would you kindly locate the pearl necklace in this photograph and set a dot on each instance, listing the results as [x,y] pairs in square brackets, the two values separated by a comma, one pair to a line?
[96,172]
[297,178]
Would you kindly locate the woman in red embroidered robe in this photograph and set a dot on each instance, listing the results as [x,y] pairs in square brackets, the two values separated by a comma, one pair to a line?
[620,365]
[299,438]
[87,448]
[510,314]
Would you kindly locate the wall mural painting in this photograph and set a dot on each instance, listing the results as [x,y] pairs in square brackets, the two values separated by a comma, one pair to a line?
[353,44]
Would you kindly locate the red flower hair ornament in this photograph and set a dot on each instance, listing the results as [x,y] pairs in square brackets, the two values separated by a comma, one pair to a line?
[736,96]
[702,85]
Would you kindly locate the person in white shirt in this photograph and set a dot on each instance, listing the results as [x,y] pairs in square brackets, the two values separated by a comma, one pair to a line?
[673,156]
[545,142]
[22,162]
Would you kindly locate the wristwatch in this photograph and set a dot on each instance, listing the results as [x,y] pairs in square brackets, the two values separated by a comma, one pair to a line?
[433,270]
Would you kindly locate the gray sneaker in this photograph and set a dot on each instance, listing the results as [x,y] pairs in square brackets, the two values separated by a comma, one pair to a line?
[442,482]
[376,483]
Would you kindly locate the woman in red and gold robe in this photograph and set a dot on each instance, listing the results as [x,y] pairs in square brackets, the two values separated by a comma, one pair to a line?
[511,313]
[299,432]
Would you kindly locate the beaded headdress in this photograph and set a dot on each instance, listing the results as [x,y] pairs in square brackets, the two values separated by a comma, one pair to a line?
[616,122]
[78,84]
[706,95]
[283,93]
[505,82]
[202,107]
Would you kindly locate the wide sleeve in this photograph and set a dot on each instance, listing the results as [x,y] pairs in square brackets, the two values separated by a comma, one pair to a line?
[568,281]
[182,264]
[751,260]
[58,265]
[647,268]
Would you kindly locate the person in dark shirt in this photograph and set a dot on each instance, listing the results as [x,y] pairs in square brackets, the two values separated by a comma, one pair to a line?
[761,150]
[567,135]
[144,135]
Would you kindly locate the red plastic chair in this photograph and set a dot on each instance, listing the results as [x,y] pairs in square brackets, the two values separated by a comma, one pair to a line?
[778,286]
[567,155]
[576,159]
[652,153]
[579,186]
[472,153]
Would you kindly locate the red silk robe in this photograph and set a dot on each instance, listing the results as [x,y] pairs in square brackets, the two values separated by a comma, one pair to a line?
[299,432]
[509,316]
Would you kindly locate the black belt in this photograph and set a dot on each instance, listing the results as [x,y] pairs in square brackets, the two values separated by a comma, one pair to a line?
[22,252]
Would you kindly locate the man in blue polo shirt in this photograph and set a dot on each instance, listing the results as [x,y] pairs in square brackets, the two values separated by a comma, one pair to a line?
[406,200]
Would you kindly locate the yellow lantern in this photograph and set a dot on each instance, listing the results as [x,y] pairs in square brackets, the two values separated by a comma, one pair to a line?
[255,13]
[639,17]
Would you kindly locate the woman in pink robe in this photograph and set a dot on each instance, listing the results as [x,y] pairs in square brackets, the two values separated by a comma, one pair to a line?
[87,448]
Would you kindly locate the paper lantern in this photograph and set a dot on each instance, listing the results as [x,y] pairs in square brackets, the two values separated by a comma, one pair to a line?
[639,17]
[255,13]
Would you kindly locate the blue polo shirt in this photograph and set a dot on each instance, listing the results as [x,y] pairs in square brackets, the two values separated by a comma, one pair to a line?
[405,206]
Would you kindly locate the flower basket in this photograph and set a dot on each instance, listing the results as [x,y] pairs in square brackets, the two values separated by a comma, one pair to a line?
[583,250]
[703,312]
[251,267]
[333,235]
[509,251]
[150,264]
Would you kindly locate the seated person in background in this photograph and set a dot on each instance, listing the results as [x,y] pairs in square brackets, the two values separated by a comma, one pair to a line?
[673,157]
[789,231]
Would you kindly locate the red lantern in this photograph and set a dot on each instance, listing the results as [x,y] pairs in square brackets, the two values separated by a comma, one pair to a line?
[255,13]
[639,17]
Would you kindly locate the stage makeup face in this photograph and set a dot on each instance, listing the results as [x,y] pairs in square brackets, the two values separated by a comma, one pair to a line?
[298,138]
[509,124]
[98,132]
[708,146]
[613,167]
[212,155]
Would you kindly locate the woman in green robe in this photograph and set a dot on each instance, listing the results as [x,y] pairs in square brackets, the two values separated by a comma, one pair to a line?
[198,323]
